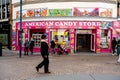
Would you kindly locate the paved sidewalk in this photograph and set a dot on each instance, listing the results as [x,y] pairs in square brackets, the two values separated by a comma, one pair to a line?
[80,66]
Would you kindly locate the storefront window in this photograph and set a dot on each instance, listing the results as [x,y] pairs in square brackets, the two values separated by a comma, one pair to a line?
[105,38]
[4,39]
[61,37]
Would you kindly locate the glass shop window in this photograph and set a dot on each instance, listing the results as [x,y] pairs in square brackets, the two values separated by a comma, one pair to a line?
[105,38]
[61,37]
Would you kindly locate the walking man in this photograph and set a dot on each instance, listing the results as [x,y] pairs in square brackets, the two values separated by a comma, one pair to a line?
[114,43]
[45,55]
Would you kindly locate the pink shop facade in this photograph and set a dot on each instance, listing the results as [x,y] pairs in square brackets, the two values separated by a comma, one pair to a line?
[79,36]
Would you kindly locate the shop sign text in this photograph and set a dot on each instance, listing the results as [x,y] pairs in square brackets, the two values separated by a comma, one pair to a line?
[61,23]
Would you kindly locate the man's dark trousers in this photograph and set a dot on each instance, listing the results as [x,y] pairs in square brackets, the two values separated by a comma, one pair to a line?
[45,62]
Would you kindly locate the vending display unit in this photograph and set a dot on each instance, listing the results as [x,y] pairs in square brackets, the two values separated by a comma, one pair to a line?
[36,38]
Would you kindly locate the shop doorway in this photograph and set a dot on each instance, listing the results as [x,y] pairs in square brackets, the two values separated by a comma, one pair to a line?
[83,43]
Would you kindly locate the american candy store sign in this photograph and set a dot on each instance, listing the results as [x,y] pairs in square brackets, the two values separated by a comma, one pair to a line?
[55,24]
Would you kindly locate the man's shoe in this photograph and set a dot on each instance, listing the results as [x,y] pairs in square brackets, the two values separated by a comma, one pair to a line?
[37,69]
[48,72]
[113,54]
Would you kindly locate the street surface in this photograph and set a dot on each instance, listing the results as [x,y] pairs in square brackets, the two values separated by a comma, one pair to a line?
[80,66]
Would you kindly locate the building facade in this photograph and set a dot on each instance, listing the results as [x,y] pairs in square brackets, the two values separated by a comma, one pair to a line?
[5,27]
[83,26]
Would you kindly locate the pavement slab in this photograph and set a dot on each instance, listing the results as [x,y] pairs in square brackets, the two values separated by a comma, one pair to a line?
[65,77]
[105,77]
[79,77]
